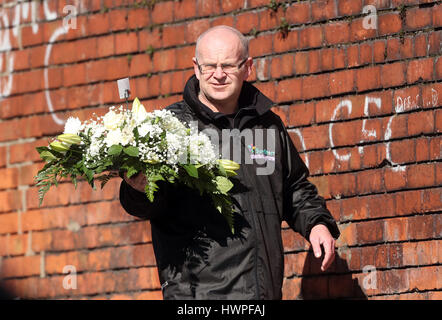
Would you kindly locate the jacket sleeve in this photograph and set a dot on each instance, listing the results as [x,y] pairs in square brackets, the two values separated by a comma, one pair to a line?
[303,206]
[137,204]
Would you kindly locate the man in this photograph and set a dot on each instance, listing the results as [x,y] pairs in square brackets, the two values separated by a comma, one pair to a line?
[197,255]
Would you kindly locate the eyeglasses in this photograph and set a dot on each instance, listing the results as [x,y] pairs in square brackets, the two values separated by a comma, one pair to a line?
[226,67]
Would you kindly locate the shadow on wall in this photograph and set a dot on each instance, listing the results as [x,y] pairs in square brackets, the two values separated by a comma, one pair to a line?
[316,284]
[4,293]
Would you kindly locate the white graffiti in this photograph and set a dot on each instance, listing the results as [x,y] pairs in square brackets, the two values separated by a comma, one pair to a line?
[348,105]
[403,104]
[22,10]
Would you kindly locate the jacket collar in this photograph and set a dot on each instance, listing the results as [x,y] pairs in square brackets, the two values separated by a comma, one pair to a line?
[250,99]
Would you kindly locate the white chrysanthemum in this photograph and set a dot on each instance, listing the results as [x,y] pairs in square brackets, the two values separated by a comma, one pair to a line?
[113,137]
[154,130]
[201,149]
[127,136]
[73,125]
[112,120]
[94,148]
[176,148]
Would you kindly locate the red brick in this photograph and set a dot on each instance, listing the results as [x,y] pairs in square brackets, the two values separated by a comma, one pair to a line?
[365,54]
[420,70]
[420,122]
[348,235]
[301,114]
[396,229]
[282,66]
[323,10]
[393,74]
[314,64]
[290,42]
[368,78]
[315,86]
[422,175]
[99,23]
[437,15]
[389,24]
[417,18]
[422,149]
[207,7]
[326,59]
[9,178]
[402,151]
[369,181]
[395,178]
[339,59]
[261,45]
[431,200]
[370,231]
[184,9]
[289,90]
[338,32]
[379,51]
[349,7]
[353,56]
[74,74]
[420,45]
[420,227]
[438,68]
[10,200]
[298,13]
[126,42]
[138,18]
[301,62]
[311,37]
[141,64]
[342,81]
[9,222]
[342,185]
[245,22]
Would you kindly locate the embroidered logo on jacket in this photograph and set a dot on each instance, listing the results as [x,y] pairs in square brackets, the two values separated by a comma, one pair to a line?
[257,153]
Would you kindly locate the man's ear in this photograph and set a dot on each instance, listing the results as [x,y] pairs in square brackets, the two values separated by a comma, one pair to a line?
[195,68]
[248,67]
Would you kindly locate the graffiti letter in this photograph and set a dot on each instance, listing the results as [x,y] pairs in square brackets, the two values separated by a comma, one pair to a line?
[343,103]
[370,21]
[72,16]
[70,281]
[370,280]
[369,133]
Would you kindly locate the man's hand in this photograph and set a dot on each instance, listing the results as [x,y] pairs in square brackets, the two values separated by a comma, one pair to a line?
[137,182]
[319,235]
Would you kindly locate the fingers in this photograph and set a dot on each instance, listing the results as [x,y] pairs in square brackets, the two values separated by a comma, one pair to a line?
[316,247]
[329,256]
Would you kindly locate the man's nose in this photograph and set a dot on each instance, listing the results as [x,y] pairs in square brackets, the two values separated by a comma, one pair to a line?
[219,72]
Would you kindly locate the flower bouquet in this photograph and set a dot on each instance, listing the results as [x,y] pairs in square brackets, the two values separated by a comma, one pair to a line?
[132,141]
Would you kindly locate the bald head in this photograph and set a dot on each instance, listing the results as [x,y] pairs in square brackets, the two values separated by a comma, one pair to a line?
[219,34]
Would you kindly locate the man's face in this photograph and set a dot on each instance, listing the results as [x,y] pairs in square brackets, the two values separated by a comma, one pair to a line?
[221,48]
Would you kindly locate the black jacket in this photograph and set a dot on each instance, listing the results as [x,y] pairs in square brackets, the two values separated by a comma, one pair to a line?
[197,256]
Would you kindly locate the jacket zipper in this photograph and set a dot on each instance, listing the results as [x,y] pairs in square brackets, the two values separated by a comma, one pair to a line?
[254,224]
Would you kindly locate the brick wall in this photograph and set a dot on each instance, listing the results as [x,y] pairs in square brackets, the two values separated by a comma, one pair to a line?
[363,107]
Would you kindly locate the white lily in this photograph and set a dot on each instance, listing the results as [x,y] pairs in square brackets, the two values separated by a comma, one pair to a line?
[139,113]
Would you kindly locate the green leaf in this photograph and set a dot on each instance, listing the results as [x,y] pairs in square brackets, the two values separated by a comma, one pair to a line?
[191,170]
[131,151]
[115,150]
[131,171]
[47,156]
[223,184]
[231,173]
[41,149]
